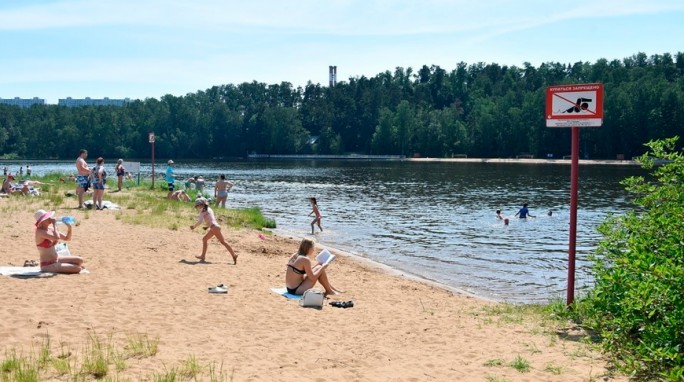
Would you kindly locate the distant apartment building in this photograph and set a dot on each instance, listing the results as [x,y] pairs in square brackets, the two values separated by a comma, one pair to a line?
[22,102]
[75,102]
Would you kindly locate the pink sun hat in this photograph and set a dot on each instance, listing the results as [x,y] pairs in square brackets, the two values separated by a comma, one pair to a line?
[42,215]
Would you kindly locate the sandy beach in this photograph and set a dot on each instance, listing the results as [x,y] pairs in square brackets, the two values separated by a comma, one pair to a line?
[145,281]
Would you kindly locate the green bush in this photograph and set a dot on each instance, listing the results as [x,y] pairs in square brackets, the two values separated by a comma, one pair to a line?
[637,305]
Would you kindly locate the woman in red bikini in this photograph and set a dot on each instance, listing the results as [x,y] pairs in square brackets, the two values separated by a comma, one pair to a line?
[47,236]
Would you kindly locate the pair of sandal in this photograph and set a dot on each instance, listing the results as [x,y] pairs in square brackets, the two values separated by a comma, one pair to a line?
[342,304]
[30,263]
[219,289]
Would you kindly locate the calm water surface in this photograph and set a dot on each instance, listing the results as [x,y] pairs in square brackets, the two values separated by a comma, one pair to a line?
[434,220]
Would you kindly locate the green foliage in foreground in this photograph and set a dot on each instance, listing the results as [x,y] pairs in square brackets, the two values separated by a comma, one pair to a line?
[637,305]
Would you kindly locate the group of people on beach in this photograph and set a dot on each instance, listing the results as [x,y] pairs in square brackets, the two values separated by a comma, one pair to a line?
[95,177]
[10,185]
[301,274]
[14,184]
[221,187]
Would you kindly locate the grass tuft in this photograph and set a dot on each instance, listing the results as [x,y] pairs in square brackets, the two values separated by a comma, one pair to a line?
[141,346]
[520,364]
[494,362]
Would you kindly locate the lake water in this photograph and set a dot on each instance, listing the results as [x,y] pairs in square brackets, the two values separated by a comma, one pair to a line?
[433,220]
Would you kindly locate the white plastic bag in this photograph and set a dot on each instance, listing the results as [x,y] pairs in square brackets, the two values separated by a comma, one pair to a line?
[62,249]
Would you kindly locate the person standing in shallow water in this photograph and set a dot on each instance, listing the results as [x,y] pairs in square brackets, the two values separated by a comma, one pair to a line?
[524,212]
[221,189]
[317,214]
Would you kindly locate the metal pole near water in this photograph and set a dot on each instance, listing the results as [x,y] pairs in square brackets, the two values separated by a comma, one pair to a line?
[574,106]
[572,246]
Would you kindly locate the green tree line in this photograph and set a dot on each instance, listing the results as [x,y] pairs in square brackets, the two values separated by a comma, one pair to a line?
[478,110]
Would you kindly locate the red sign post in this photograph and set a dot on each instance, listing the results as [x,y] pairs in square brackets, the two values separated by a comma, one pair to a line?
[574,106]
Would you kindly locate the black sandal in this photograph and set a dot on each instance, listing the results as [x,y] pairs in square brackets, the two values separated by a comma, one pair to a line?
[342,304]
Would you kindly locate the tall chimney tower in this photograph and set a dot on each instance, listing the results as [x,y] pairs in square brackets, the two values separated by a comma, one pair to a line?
[332,75]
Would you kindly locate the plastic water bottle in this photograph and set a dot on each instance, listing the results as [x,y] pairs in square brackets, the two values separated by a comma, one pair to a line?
[67,220]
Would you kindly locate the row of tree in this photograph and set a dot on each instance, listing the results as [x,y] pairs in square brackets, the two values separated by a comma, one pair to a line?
[480,110]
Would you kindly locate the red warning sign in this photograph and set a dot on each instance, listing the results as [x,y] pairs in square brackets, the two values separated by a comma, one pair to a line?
[574,105]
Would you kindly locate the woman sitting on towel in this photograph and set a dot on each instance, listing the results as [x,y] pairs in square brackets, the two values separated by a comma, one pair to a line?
[301,275]
[47,236]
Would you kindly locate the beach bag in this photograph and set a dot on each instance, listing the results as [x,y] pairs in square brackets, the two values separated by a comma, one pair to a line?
[62,249]
[312,298]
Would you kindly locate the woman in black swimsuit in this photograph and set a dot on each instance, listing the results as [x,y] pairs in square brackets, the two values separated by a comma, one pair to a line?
[301,275]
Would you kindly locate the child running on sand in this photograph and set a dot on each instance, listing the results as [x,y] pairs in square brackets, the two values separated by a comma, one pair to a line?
[207,216]
[317,219]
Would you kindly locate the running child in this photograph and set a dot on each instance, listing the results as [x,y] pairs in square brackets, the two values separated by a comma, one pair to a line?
[207,217]
[317,213]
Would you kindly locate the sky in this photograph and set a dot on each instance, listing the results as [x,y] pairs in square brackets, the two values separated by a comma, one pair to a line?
[139,49]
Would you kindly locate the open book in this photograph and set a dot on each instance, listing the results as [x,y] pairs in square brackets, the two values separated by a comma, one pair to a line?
[325,257]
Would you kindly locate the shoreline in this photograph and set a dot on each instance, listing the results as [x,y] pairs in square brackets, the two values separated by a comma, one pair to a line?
[565,162]
[391,271]
[379,158]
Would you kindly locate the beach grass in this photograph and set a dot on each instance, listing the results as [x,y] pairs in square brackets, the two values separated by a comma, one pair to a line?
[101,359]
[553,369]
[149,205]
[494,362]
[494,378]
[141,346]
[520,364]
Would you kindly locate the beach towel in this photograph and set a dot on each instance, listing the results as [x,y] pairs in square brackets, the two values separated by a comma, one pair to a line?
[105,204]
[27,272]
[283,292]
[24,272]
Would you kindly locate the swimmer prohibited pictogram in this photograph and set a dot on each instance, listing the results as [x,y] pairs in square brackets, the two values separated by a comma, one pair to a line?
[574,105]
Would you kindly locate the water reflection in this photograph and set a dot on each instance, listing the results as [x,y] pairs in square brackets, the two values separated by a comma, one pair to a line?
[435,220]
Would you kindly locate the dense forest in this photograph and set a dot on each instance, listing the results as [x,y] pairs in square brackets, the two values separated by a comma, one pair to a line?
[478,110]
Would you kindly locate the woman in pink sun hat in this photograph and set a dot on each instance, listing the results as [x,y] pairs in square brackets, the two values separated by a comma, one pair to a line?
[47,236]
